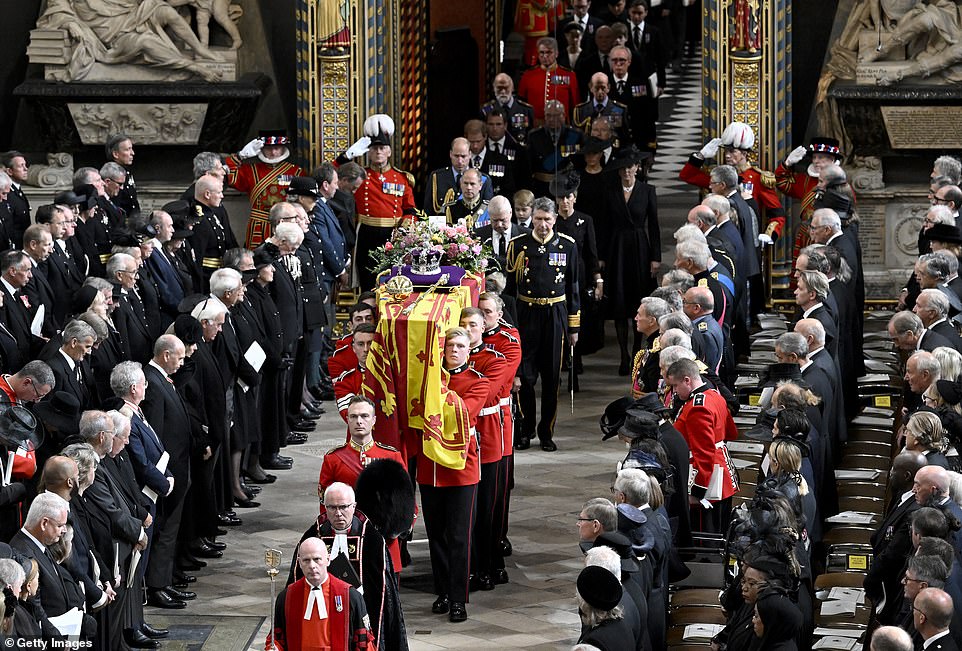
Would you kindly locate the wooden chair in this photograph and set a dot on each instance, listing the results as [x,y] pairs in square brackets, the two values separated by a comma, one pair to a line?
[849,488]
[848,535]
[865,462]
[839,580]
[861,503]
[869,447]
[696,615]
[703,597]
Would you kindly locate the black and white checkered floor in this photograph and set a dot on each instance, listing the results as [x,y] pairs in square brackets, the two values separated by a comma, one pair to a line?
[679,130]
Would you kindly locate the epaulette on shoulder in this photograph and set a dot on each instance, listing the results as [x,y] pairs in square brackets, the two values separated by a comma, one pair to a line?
[619,104]
[518,237]
[343,376]
[410,177]
[385,446]
[476,371]
[768,178]
[335,449]
[565,236]
[521,102]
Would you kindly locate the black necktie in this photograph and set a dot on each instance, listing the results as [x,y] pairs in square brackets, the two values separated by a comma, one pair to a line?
[637,33]
[501,246]
[477,162]
[621,87]
[497,147]
[457,181]
[604,63]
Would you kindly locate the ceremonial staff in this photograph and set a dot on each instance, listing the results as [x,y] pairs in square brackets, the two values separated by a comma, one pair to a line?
[272,557]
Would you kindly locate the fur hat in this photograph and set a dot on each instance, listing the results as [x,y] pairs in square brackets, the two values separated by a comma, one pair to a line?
[386,496]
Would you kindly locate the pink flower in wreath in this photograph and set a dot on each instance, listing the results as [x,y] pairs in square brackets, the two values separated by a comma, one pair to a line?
[388,246]
[463,248]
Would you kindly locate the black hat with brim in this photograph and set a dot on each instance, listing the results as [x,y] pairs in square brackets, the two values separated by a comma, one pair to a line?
[61,413]
[944,233]
[599,588]
[626,157]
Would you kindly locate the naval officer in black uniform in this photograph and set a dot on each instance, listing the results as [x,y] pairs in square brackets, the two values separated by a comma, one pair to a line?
[542,273]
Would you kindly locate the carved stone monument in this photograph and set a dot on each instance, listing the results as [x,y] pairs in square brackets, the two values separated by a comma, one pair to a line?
[890,93]
[139,67]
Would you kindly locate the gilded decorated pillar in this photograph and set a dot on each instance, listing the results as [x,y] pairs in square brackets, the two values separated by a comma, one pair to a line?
[356,58]
[746,77]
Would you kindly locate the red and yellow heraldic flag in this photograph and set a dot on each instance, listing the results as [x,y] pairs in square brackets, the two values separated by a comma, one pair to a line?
[407,356]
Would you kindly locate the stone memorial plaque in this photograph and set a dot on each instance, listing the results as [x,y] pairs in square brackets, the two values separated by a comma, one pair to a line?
[904,222]
[147,124]
[923,127]
[871,233]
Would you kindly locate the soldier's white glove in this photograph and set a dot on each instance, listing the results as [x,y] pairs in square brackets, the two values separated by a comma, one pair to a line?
[251,149]
[765,239]
[710,148]
[797,154]
[359,148]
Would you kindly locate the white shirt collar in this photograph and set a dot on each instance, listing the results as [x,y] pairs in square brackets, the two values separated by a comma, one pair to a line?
[500,142]
[43,548]
[157,366]
[934,638]
[10,288]
[817,350]
[70,360]
[805,365]
[810,310]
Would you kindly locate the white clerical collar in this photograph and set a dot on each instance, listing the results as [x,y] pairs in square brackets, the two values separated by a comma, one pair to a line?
[315,598]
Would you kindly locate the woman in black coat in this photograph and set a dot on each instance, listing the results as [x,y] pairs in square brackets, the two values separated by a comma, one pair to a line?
[777,623]
[632,253]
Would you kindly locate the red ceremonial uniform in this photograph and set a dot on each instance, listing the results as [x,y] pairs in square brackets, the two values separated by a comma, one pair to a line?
[383,200]
[472,389]
[538,85]
[492,365]
[535,19]
[763,191]
[345,628]
[706,424]
[502,340]
[799,186]
[24,461]
[343,358]
[265,184]
[345,462]
[355,382]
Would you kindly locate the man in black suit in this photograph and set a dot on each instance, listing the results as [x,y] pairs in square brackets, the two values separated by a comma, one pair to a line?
[38,245]
[818,354]
[164,409]
[632,89]
[792,348]
[811,292]
[933,613]
[6,215]
[45,523]
[501,230]
[350,176]
[589,25]
[167,278]
[129,315]
[17,269]
[931,488]
[597,58]
[907,333]
[120,151]
[892,541]
[493,165]
[59,268]
[444,184]
[14,164]
[648,47]
[827,228]
[69,364]
[932,307]
[500,141]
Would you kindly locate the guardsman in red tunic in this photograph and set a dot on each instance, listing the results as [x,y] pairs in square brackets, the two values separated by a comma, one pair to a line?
[801,185]
[345,462]
[384,199]
[494,366]
[738,140]
[357,382]
[706,424]
[319,612]
[343,357]
[448,495]
[504,338]
[548,81]
[262,172]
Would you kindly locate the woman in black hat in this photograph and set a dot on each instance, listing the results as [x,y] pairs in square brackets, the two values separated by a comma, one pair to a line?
[589,162]
[632,255]
[598,594]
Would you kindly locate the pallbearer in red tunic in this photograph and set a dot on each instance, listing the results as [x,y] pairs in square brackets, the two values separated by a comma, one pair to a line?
[343,357]
[492,365]
[503,338]
[448,495]
[320,612]
[262,172]
[345,462]
[801,185]
[358,382]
